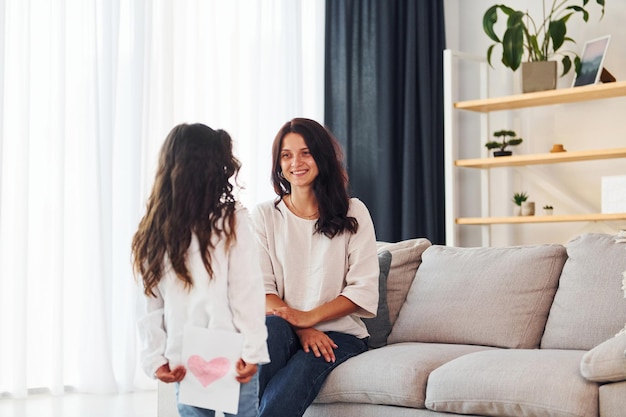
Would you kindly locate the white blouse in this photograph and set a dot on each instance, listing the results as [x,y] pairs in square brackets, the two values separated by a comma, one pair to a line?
[307,269]
[233,300]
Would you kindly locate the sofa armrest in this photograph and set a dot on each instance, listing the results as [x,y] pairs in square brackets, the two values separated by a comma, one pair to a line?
[607,361]
[612,399]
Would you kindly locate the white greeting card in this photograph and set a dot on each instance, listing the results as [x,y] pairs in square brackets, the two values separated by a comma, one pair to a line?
[210,357]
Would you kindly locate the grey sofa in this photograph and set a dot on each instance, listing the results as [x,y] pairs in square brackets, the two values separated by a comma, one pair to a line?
[518,331]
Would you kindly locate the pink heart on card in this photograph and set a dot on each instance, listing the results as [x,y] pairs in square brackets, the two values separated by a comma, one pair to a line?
[208,372]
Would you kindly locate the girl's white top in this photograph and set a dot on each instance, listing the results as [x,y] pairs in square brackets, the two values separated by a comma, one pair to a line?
[232,300]
[307,269]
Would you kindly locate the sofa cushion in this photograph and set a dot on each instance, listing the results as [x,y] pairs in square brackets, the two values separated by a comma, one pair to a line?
[379,327]
[484,296]
[367,410]
[607,361]
[589,306]
[392,375]
[406,257]
[519,382]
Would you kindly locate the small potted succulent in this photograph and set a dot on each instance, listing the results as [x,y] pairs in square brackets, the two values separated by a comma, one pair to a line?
[518,199]
[503,142]
[548,210]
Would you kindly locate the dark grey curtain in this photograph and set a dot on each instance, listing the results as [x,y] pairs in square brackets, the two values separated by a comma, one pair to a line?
[384,102]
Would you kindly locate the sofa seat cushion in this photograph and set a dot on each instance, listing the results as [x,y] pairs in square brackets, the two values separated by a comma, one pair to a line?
[391,375]
[607,361]
[484,296]
[519,382]
[589,306]
[369,410]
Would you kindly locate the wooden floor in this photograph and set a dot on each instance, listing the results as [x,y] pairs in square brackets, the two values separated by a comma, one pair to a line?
[139,404]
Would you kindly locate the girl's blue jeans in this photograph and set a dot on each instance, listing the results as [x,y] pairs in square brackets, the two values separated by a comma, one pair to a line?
[291,381]
[248,402]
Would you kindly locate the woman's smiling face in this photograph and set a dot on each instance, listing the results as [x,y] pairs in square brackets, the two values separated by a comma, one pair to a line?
[296,161]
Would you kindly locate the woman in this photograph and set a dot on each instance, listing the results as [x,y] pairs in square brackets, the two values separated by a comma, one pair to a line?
[320,268]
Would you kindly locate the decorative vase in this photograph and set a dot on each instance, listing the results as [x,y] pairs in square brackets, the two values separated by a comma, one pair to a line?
[528,208]
[538,76]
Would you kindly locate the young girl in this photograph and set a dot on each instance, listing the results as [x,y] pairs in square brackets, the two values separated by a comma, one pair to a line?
[194,252]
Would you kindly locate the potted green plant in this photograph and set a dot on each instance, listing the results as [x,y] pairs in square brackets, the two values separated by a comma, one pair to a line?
[536,40]
[503,142]
[548,209]
[518,199]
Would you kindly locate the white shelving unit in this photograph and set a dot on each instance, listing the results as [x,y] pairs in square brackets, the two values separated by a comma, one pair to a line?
[486,105]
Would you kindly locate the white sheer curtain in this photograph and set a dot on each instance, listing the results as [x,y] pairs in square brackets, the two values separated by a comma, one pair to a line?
[89,90]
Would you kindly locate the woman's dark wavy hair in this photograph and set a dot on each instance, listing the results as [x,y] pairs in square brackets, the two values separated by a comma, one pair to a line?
[192,193]
[330,186]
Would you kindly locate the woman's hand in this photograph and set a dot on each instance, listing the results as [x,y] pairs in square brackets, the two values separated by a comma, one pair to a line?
[297,318]
[318,342]
[245,371]
[166,375]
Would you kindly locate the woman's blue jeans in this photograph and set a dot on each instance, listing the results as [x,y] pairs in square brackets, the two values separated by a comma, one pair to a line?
[248,402]
[291,381]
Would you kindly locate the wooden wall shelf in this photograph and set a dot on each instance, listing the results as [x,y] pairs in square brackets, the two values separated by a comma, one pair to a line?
[539,159]
[484,106]
[542,219]
[544,98]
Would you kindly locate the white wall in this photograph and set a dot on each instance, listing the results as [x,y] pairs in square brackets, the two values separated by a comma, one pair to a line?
[571,187]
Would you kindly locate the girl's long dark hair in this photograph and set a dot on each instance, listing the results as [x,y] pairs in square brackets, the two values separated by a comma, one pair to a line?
[192,193]
[330,186]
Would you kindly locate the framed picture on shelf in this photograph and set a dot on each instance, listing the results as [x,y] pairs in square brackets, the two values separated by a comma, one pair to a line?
[591,61]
